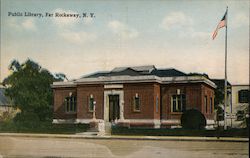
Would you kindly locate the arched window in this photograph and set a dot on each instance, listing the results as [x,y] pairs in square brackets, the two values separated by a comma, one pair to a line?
[91,102]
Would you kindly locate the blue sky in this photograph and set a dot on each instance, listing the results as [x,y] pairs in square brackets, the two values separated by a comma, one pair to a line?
[164,33]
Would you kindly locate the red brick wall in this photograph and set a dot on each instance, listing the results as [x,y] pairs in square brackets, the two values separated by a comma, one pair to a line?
[209,92]
[146,94]
[83,95]
[59,103]
[195,93]
[157,92]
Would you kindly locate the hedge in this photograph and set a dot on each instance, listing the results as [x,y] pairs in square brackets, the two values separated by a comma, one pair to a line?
[116,130]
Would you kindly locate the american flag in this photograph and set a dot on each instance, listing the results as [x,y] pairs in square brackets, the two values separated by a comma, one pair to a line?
[221,24]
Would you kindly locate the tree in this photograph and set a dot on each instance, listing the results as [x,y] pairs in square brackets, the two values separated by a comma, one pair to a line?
[29,87]
[243,115]
[219,97]
[61,76]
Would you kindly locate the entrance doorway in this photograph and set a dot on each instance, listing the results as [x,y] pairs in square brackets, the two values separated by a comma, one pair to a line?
[114,108]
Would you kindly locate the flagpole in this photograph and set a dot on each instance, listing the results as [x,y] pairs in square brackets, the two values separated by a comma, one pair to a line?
[225,86]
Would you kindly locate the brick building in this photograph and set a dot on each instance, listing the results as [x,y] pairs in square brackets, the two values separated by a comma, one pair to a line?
[133,96]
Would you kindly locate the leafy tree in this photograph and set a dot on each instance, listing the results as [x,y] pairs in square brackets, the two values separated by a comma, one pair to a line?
[243,116]
[219,113]
[219,98]
[14,66]
[61,76]
[29,87]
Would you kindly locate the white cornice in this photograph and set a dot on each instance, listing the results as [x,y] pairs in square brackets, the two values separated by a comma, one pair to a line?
[135,79]
[63,84]
[119,79]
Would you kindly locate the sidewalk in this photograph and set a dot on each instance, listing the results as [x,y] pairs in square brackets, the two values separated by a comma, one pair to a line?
[119,137]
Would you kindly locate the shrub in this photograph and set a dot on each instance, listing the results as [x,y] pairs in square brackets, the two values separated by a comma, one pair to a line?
[193,119]
[27,119]
[219,113]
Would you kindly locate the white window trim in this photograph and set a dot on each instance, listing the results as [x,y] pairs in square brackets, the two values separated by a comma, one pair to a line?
[106,103]
[134,103]
[66,102]
[89,99]
[176,102]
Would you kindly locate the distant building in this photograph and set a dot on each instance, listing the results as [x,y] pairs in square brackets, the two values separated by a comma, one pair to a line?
[240,103]
[237,102]
[5,102]
[6,105]
[141,96]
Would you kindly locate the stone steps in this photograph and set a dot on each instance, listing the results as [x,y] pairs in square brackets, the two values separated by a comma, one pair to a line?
[88,133]
[107,128]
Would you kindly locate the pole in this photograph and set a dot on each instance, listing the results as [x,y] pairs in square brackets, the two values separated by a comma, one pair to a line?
[225,86]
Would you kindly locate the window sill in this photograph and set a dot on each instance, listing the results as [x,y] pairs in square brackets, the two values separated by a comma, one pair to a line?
[136,111]
[176,113]
[70,112]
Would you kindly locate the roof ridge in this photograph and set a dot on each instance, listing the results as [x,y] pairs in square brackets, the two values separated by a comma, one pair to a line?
[86,75]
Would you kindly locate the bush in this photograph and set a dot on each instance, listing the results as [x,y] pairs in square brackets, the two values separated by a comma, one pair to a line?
[42,127]
[116,130]
[219,113]
[193,119]
[29,122]
[27,119]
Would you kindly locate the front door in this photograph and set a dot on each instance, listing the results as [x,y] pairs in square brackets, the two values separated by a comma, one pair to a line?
[114,107]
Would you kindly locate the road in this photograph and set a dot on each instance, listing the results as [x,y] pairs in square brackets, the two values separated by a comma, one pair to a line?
[27,147]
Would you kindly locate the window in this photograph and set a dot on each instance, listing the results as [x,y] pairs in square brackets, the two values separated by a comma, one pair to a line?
[211,105]
[243,96]
[178,103]
[157,104]
[136,102]
[91,103]
[70,104]
[205,103]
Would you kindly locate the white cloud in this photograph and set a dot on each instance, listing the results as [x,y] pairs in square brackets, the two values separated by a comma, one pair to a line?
[88,20]
[123,30]
[176,19]
[184,26]
[66,29]
[191,33]
[239,20]
[77,37]
[12,22]
[29,24]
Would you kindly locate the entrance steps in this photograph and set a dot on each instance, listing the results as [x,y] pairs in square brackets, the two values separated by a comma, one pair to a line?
[99,130]
[107,128]
[88,133]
